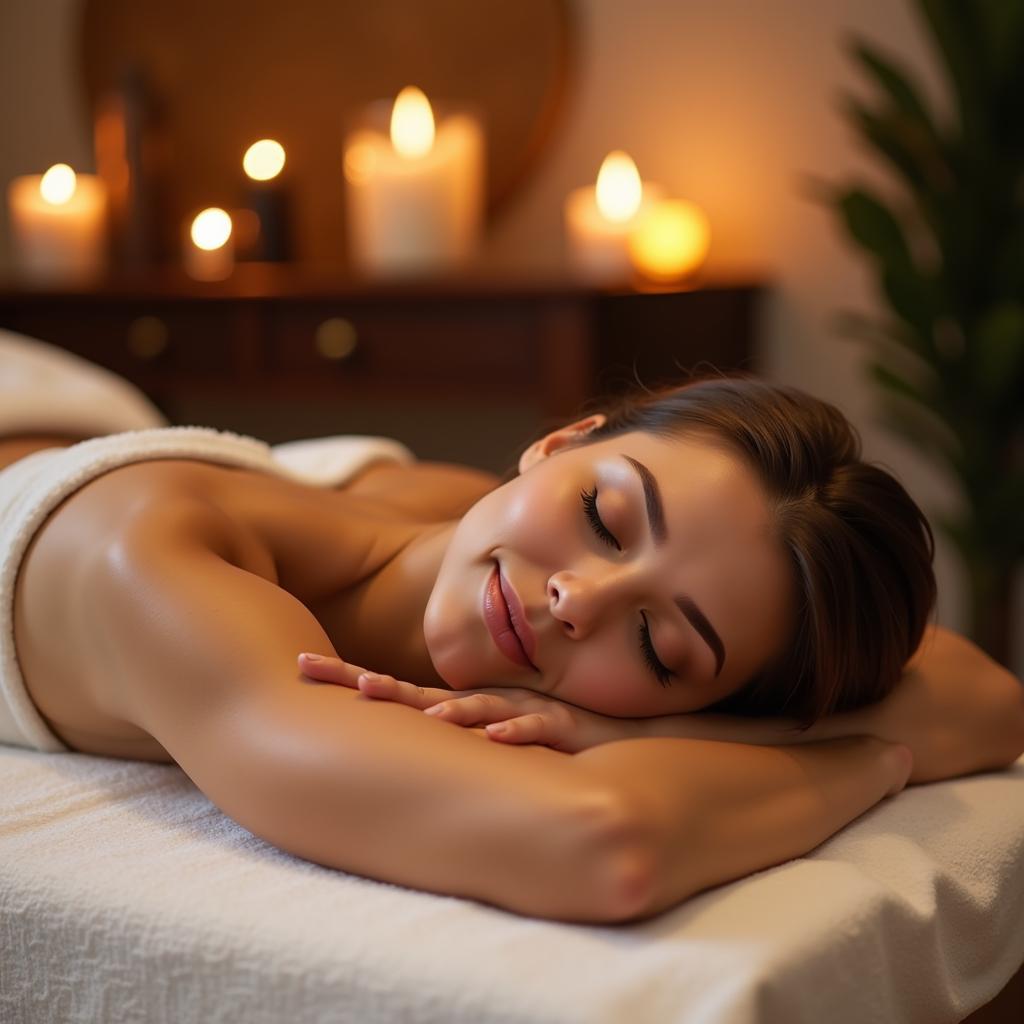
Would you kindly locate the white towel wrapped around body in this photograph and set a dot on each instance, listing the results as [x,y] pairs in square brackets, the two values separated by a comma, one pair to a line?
[47,390]
[33,487]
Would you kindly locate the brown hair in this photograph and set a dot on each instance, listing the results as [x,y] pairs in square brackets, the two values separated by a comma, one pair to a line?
[860,549]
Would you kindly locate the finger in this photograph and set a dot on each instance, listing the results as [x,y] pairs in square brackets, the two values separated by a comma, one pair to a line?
[473,709]
[384,687]
[329,669]
[535,728]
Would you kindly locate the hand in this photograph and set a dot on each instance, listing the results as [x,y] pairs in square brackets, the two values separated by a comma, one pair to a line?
[510,715]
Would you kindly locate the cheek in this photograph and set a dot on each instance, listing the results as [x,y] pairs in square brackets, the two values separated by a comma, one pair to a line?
[608,682]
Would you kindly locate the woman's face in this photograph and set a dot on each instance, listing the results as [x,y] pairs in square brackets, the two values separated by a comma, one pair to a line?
[633,576]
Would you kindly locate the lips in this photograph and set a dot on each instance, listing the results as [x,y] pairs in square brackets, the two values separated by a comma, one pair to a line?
[503,613]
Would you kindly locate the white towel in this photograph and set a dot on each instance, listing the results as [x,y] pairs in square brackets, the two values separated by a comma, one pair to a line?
[33,487]
[126,896]
[47,390]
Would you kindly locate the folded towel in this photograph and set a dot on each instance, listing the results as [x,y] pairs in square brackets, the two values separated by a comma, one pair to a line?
[47,390]
[33,487]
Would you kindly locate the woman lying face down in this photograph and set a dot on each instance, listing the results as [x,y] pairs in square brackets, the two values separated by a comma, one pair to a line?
[718,544]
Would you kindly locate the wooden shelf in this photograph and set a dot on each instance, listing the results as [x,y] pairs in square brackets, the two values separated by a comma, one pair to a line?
[271,334]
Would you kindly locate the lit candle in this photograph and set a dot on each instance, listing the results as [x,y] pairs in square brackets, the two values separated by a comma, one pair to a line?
[414,196]
[209,247]
[599,218]
[263,163]
[670,241]
[58,225]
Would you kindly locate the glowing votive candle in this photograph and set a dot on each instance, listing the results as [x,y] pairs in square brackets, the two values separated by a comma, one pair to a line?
[414,195]
[599,218]
[265,197]
[670,241]
[58,225]
[209,246]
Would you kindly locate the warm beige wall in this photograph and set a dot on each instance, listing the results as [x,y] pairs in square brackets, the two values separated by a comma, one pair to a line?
[728,104]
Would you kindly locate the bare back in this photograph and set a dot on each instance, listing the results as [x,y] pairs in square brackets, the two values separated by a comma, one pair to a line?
[317,545]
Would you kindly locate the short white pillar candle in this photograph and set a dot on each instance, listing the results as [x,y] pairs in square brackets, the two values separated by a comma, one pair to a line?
[58,225]
[599,218]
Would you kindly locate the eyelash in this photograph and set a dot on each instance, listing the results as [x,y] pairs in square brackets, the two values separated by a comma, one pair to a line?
[589,499]
[590,511]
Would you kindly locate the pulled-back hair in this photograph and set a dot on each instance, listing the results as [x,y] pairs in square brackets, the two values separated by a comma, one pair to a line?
[859,547]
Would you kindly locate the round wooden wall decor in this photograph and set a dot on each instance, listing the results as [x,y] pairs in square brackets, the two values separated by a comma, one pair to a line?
[226,73]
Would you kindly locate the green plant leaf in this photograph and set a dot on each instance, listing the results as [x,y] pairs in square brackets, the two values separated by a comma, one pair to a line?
[872,225]
[1008,273]
[1002,25]
[922,430]
[903,388]
[961,44]
[911,298]
[997,353]
[895,84]
[1000,513]
[905,147]
[887,336]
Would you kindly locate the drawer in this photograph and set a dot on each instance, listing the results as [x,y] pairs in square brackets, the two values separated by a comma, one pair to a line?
[140,338]
[493,348]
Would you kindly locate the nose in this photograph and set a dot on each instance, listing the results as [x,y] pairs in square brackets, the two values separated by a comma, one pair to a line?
[579,600]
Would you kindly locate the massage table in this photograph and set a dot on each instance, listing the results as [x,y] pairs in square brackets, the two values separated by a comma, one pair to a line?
[126,896]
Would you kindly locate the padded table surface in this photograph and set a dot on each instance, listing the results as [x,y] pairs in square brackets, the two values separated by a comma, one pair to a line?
[126,895]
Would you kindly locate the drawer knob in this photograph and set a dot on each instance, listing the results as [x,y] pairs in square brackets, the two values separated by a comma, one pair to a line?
[335,338]
[147,337]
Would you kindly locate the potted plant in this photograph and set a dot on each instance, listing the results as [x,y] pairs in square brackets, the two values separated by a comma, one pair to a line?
[947,351]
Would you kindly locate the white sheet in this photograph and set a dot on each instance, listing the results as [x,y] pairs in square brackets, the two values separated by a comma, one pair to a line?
[126,896]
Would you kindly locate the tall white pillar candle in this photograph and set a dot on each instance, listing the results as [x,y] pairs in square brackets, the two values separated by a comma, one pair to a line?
[414,194]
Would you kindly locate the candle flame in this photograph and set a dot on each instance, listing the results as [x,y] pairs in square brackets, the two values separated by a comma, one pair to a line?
[619,190]
[412,123]
[263,160]
[211,228]
[58,184]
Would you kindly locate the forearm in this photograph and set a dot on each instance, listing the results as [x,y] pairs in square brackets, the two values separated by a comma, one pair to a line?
[705,813]
[385,792]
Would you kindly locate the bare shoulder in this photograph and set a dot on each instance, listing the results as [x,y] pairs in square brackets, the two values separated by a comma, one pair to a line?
[428,490]
[111,534]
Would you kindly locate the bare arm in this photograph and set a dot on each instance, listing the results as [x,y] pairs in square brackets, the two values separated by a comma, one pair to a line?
[956,709]
[705,813]
[203,655]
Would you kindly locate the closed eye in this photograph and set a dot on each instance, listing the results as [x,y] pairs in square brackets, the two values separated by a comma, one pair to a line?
[589,499]
[650,656]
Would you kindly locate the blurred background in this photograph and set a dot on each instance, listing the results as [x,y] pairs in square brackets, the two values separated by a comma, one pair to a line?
[789,185]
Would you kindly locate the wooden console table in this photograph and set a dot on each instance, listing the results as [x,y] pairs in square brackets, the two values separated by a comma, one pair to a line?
[276,335]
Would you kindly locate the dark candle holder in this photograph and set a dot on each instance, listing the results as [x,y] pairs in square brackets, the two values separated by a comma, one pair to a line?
[269,202]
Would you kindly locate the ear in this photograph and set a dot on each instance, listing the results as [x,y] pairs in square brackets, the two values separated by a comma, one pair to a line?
[558,439]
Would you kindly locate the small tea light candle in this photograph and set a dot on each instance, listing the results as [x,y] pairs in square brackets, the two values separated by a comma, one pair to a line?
[266,197]
[209,247]
[599,218]
[414,196]
[670,241]
[58,223]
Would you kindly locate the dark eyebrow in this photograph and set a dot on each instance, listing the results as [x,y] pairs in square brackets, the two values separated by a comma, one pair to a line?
[656,520]
[652,497]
